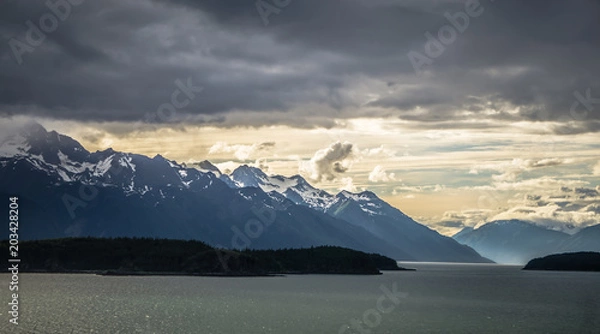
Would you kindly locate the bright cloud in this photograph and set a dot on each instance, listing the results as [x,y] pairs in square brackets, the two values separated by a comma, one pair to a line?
[558,204]
[329,163]
[239,151]
[348,184]
[510,170]
[378,174]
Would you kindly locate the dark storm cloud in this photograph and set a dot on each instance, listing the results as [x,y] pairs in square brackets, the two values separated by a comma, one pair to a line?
[118,60]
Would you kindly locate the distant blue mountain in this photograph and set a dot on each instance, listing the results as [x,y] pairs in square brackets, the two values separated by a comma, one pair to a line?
[65,190]
[517,242]
[588,239]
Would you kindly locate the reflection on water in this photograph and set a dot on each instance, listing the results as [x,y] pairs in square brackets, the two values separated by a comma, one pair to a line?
[436,298]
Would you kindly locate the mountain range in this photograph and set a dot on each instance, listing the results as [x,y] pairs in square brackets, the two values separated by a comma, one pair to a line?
[517,242]
[65,190]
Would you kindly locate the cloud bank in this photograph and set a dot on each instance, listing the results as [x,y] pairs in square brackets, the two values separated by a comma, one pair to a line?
[316,60]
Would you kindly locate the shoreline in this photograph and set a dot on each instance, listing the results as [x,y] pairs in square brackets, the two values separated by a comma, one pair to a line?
[216,274]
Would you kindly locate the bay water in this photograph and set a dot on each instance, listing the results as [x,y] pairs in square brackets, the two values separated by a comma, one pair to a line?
[437,298]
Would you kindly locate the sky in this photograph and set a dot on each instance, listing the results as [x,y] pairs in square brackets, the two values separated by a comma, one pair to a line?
[456,112]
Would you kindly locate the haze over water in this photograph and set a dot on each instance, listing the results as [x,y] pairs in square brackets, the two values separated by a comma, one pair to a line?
[441,298]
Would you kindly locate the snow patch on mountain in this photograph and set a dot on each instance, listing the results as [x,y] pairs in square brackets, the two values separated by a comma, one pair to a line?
[73,167]
[64,176]
[103,166]
[126,162]
[145,190]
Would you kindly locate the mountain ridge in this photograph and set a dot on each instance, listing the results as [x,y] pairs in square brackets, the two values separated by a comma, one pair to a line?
[110,193]
[516,241]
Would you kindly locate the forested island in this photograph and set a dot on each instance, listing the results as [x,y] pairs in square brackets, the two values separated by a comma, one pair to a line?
[580,261]
[148,256]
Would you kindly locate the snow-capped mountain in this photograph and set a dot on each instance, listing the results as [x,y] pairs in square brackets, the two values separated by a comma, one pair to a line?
[65,190]
[294,188]
[67,161]
[364,210]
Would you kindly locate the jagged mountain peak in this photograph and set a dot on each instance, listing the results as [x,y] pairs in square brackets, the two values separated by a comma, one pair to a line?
[297,189]
[33,139]
[101,155]
[294,188]
[365,195]
[303,186]
[249,170]
[107,151]
[299,178]
[209,166]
